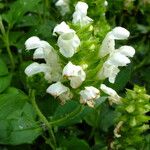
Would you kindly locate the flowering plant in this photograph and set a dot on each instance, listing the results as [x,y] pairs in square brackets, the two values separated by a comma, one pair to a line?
[69,74]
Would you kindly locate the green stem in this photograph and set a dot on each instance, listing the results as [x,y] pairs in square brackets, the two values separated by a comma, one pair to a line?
[9,52]
[68,116]
[43,118]
[5,37]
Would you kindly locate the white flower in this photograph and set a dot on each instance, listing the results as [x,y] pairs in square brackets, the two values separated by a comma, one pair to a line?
[108,71]
[44,50]
[60,91]
[62,28]
[80,14]
[126,50]
[88,95]
[75,74]
[63,6]
[68,44]
[35,68]
[113,96]
[108,44]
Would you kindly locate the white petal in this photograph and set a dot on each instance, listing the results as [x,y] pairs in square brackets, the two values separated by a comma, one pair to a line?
[68,44]
[32,69]
[127,50]
[62,28]
[113,96]
[82,7]
[32,43]
[38,54]
[56,89]
[118,59]
[120,33]
[108,90]
[108,71]
[108,45]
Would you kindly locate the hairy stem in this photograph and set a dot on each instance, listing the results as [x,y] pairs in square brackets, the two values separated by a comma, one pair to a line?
[43,119]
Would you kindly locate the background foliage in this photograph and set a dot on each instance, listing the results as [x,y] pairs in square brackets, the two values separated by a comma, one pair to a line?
[20,127]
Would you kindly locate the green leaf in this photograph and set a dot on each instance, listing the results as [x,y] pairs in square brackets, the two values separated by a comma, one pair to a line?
[4,82]
[92,115]
[18,9]
[17,119]
[107,117]
[3,68]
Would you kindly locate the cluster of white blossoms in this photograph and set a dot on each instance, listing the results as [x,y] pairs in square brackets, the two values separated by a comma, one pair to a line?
[116,57]
[68,44]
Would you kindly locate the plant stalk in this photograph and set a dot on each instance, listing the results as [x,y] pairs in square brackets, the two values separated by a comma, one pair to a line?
[43,119]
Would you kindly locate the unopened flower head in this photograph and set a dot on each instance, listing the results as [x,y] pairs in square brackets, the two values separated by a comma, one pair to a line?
[75,74]
[80,14]
[89,95]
